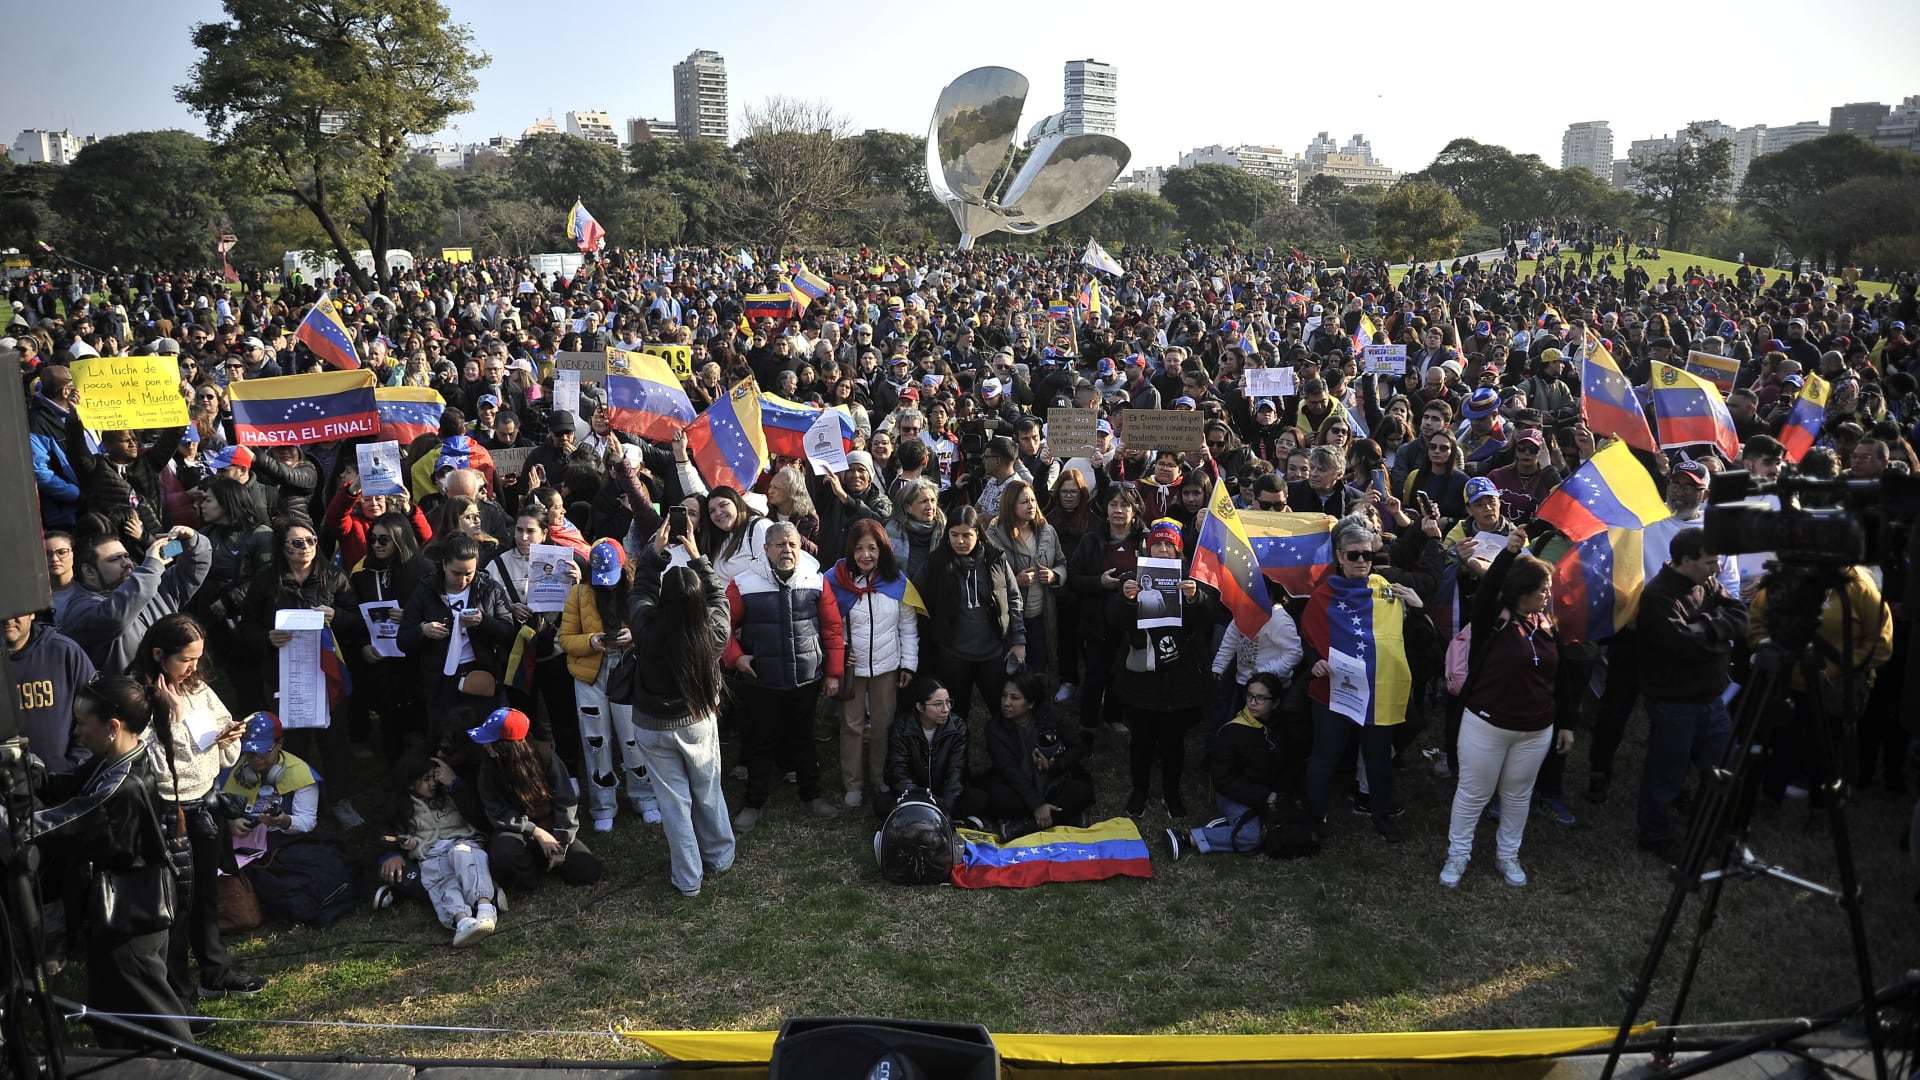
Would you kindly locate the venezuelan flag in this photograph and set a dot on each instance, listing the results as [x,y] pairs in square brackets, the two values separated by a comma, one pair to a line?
[846,593]
[1718,370]
[776,305]
[1295,550]
[1360,624]
[408,412]
[465,452]
[644,396]
[1090,301]
[295,409]
[1597,583]
[1060,309]
[1607,402]
[1111,848]
[1224,558]
[786,422]
[1805,419]
[1611,490]
[1363,334]
[727,441]
[583,230]
[325,332]
[521,661]
[1295,299]
[810,283]
[1690,411]
[333,666]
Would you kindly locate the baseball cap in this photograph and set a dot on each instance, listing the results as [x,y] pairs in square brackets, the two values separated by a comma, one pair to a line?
[1186,402]
[990,388]
[254,343]
[1265,403]
[1799,322]
[1102,427]
[508,724]
[1530,436]
[263,730]
[490,399]
[80,350]
[1692,471]
[1551,356]
[1106,366]
[1479,488]
[607,559]
[232,455]
[561,422]
[1772,345]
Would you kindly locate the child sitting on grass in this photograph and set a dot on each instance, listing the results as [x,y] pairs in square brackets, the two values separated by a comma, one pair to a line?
[432,826]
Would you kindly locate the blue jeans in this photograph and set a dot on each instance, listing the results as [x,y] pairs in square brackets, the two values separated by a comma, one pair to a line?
[1233,836]
[685,763]
[1679,734]
[1333,737]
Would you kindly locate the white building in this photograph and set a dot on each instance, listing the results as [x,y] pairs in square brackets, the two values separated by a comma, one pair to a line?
[700,96]
[1588,145]
[1093,96]
[1148,180]
[593,127]
[1319,147]
[57,147]
[1779,138]
[1901,129]
[1266,162]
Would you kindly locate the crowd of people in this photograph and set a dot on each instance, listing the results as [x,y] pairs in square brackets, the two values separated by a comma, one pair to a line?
[958,573]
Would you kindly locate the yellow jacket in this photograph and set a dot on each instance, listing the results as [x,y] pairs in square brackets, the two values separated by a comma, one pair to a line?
[578,623]
[1872,628]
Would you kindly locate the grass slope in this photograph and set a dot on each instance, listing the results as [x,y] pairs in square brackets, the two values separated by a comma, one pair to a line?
[1678,262]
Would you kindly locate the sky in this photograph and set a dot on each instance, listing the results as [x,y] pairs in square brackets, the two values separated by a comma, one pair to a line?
[1411,77]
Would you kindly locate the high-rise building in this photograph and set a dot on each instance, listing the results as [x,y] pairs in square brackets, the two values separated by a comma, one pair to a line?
[1588,145]
[1749,143]
[1265,162]
[1860,118]
[593,127]
[1319,147]
[1901,129]
[647,129]
[1093,95]
[700,96]
[1149,180]
[57,147]
[1779,138]
[546,125]
[1350,169]
[1641,151]
[1359,147]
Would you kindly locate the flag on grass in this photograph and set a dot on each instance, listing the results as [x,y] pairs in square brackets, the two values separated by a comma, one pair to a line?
[325,332]
[1611,490]
[727,442]
[1111,848]
[1223,557]
[1690,411]
[1805,419]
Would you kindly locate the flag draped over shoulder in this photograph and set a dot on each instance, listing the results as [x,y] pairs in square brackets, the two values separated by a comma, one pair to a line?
[727,442]
[1358,627]
[1223,557]
[1597,583]
[1690,411]
[1295,550]
[1607,402]
[1804,421]
[1611,490]
[325,332]
[1111,848]
[644,396]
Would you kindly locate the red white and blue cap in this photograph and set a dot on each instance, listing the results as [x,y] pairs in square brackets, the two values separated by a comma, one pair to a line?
[508,724]
[263,730]
[608,559]
[232,455]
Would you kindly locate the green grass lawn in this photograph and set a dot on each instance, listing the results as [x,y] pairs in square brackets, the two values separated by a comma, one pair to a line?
[1678,262]
[1360,939]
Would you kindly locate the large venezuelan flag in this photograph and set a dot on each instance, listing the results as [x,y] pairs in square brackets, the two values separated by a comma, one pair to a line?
[1360,624]
[1110,848]
[1597,583]
[1295,550]
[1804,421]
[786,422]
[777,305]
[1607,402]
[294,409]
[325,333]
[1611,490]
[583,230]
[408,412]
[1690,411]
[644,397]
[1223,557]
[727,442]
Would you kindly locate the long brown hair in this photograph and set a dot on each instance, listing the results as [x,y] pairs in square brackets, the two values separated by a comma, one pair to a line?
[526,780]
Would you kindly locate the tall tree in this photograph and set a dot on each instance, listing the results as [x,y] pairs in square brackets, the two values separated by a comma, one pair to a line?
[1217,204]
[150,197]
[1778,185]
[1415,221]
[26,218]
[1681,185]
[556,169]
[697,175]
[421,205]
[1833,225]
[1492,182]
[1321,189]
[802,169]
[316,99]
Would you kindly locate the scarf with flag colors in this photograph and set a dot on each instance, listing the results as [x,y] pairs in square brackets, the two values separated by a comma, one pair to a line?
[583,230]
[1607,401]
[1110,848]
[1597,583]
[1223,557]
[325,332]
[295,409]
[521,661]
[727,442]
[1295,550]
[644,396]
[1610,490]
[1358,627]
[1690,411]
[1805,419]
[408,412]
[786,423]
[847,590]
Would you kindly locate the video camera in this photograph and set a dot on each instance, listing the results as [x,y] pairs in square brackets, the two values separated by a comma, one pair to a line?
[1849,522]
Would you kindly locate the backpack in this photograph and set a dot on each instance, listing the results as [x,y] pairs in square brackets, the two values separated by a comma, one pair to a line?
[916,844]
[306,880]
[1460,656]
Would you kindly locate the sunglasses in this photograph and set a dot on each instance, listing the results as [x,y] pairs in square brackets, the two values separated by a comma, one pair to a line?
[1360,556]
[301,543]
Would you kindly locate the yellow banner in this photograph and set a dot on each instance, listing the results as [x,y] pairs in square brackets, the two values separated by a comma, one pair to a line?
[678,357]
[456,255]
[129,392]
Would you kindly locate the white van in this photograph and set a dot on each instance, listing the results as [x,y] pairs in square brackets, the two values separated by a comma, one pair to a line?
[319,266]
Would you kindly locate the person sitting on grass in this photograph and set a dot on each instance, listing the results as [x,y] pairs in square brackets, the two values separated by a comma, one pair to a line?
[531,808]
[281,792]
[1249,766]
[432,824]
[1039,777]
[927,749]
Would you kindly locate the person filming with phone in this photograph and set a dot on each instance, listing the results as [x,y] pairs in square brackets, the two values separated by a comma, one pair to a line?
[121,595]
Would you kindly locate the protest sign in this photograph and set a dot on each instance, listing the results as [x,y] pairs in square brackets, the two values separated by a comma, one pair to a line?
[456,255]
[511,462]
[380,468]
[1155,429]
[1718,370]
[1071,432]
[547,581]
[383,623]
[303,683]
[1384,359]
[678,357]
[566,392]
[1158,602]
[826,450]
[592,366]
[1269,382]
[129,392]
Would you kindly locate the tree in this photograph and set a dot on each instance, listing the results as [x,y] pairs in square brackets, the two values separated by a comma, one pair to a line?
[1300,226]
[554,170]
[1415,221]
[315,99]
[421,203]
[150,197]
[695,174]
[647,216]
[1833,225]
[1679,186]
[1777,185]
[512,227]
[1321,189]
[26,218]
[1492,182]
[802,169]
[1217,203]
[1118,219]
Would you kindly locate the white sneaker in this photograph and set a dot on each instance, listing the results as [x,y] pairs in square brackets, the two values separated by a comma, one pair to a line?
[470,930]
[1510,869]
[746,819]
[343,813]
[603,824]
[487,913]
[1119,729]
[790,777]
[1063,694]
[1453,871]
[650,813]
[854,798]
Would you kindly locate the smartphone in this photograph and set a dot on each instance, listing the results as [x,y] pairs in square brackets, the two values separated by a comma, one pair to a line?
[1380,481]
[677,523]
[171,549]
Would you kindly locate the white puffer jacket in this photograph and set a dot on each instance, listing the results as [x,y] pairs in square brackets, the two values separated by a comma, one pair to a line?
[883,633]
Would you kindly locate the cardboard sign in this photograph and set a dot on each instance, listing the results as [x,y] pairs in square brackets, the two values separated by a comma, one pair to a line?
[678,357]
[1718,370]
[592,366]
[1071,432]
[456,255]
[511,462]
[1269,382]
[129,392]
[1158,429]
[1384,359]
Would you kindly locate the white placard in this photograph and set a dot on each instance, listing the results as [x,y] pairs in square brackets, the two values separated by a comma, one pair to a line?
[566,392]
[1159,599]
[1384,359]
[1488,545]
[303,685]
[383,622]
[826,450]
[204,728]
[1269,382]
[547,580]
[526,287]
[380,468]
[1348,692]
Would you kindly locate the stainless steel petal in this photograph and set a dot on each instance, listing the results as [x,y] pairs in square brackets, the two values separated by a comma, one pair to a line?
[974,124]
[1063,177]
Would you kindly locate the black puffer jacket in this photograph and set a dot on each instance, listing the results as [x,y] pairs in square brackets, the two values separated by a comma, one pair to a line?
[939,766]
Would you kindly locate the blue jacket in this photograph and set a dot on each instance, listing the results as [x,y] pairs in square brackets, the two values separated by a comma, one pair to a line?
[47,669]
[53,474]
[791,628]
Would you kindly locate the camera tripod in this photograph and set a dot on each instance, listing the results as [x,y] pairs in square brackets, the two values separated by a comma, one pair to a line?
[1716,849]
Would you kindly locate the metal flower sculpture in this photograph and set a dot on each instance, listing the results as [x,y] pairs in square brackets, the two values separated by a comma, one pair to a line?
[968,159]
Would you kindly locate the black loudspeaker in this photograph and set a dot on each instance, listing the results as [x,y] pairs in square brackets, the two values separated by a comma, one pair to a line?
[23,588]
[816,1048]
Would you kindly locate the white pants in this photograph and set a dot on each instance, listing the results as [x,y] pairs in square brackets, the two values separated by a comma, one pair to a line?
[456,876]
[1495,759]
[605,725]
